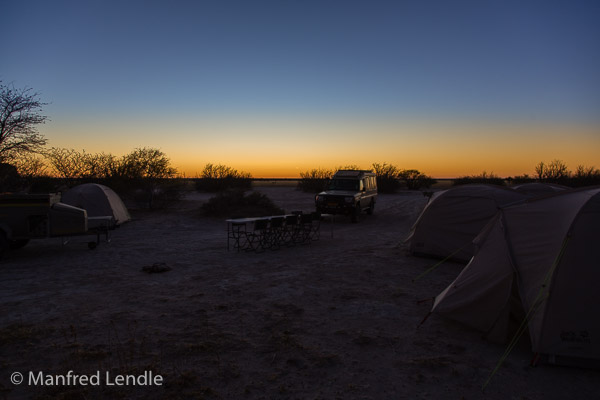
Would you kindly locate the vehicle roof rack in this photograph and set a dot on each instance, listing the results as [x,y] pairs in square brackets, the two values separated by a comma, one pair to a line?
[351,173]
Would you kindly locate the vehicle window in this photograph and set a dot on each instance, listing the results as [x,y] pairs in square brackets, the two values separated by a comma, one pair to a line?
[344,184]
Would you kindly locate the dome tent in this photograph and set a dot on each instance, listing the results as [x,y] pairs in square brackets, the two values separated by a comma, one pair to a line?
[452,219]
[537,259]
[98,201]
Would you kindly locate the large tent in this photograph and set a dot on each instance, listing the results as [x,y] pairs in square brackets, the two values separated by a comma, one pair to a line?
[452,219]
[538,260]
[98,201]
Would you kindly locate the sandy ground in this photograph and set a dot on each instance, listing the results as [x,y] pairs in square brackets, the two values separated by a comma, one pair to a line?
[338,318]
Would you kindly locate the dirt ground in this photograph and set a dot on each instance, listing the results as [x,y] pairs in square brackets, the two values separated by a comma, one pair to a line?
[336,319]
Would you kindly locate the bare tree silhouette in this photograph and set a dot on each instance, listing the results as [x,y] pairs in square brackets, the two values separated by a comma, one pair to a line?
[555,171]
[20,113]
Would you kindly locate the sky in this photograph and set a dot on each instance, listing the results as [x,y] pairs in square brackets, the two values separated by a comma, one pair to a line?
[274,88]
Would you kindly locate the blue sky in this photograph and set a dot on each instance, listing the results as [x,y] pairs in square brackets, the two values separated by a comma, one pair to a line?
[128,63]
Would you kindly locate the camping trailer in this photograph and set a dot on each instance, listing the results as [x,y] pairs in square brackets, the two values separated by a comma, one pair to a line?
[36,216]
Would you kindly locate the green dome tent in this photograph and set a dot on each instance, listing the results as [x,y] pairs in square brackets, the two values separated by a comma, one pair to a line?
[452,219]
[539,260]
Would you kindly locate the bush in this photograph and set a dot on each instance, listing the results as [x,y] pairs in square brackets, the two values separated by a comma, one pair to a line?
[69,164]
[235,204]
[32,172]
[387,177]
[217,178]
[555,172]
[585,176]
[315,180]
[156,194]
[490,179]
[144,175]
[415,180]
[520,179]
[347,167]
[10,181]
[30,165]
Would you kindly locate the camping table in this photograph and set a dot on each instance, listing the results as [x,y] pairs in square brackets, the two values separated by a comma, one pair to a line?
[234,226]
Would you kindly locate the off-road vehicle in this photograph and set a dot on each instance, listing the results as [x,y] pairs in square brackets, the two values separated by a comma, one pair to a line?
[349,192]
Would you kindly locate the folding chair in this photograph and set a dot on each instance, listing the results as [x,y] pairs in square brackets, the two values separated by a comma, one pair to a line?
[237,234]
[275,233]
[290,230]
[304,229]
[257,239]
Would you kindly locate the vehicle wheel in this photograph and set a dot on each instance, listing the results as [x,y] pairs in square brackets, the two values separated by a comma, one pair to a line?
[17,244]
[4,244]
[92,245]
[371,208]
[356,213]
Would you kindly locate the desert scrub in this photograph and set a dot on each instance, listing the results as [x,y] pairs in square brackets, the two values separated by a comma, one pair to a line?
[490,179]
[236,203]
[584,176]
[520,179]
[557,171]
[415,180]
[315,180]
[387,177]
[217,178]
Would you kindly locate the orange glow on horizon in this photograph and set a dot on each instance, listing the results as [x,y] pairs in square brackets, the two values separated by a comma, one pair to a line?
[283,148]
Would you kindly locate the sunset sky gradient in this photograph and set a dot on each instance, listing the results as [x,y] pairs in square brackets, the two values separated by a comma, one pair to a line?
[277,87]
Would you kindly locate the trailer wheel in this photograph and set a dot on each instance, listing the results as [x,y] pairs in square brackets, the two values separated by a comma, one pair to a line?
[17,244]
[4,244]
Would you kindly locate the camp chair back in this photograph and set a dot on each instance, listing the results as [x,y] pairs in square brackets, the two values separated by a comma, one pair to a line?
[304,229]
[290,230]
[275,233]
[257,239]
[238,235]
